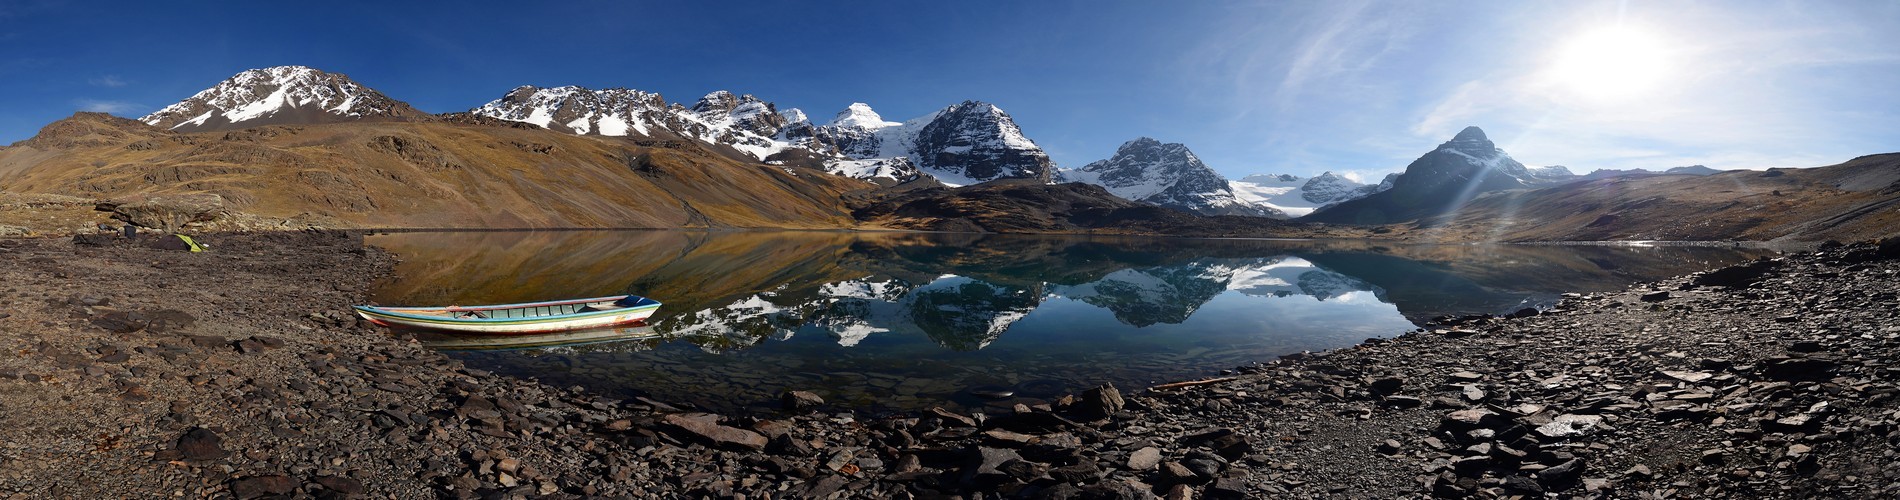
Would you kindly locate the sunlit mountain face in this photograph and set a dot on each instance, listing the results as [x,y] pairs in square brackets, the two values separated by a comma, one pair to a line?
[917,320]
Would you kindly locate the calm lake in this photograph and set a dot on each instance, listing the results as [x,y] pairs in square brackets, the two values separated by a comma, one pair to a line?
[890,321]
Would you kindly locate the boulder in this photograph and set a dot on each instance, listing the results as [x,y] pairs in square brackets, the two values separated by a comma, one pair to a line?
[800,400]
[1568,425]
[705,427]
[1100,402]
[1805,368]
[200,444]
[1740,276]
[1144,459]
[985,466]
[169,212]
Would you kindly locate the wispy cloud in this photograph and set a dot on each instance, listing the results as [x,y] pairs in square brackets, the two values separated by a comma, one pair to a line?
[1343,44]
[112,81]
[1261,62]
[104,106]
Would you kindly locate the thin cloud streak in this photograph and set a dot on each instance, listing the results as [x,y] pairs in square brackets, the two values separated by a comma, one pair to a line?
[105,106]
[109,81]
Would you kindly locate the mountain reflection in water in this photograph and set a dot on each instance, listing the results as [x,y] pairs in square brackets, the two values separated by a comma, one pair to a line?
[911,320]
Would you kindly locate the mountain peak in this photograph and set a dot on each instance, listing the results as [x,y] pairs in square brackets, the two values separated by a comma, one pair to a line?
[1470,134]
[280,95]
[794,115]
[717,101]
[1329,176]
[1440,181]
[1139,143]
[860,115]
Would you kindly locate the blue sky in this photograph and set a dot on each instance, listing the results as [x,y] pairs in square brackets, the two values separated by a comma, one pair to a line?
[1252,87]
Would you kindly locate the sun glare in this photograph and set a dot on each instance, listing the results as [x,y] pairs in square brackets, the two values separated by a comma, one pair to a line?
[1611,64]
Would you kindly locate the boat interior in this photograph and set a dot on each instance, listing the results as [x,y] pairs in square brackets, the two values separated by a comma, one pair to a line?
[542,311]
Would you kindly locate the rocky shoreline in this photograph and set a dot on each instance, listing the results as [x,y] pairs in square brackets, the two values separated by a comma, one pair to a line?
[141,372]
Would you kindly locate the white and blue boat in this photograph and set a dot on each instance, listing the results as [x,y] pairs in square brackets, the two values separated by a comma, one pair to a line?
[516,319]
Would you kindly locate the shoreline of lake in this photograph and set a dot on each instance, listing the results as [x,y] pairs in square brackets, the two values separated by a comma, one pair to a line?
[239,372]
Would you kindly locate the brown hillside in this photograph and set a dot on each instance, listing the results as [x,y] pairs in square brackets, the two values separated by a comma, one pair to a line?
[425,174]
[1855,200]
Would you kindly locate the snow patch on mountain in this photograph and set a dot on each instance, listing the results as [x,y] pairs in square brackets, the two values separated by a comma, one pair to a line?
[860,115]
[1299,196]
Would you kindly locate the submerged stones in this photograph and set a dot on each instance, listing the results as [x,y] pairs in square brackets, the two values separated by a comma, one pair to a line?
[800,400]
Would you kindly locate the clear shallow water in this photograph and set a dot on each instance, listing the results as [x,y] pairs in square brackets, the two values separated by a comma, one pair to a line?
[908,321]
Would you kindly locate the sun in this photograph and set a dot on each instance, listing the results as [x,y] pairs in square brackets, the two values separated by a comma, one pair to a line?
[1611,64]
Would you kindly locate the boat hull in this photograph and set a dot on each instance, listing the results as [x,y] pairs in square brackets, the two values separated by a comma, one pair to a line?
[572,338]
[511,319]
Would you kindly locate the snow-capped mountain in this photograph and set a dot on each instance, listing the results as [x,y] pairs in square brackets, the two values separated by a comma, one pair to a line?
[861,144]
[1299,196]
[965,143]
[1168,175]
[1438,182]
[280,95]
[742,122]
[579,110]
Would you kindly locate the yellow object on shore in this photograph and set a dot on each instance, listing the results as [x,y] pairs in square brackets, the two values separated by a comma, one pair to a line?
[188,242]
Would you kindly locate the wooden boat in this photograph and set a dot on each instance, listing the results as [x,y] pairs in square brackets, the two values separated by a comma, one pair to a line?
[571,338]
[516,319]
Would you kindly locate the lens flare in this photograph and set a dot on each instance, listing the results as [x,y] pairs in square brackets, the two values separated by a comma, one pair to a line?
[1611,64]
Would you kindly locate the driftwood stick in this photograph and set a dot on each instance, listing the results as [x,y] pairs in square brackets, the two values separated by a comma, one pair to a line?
[1192,383]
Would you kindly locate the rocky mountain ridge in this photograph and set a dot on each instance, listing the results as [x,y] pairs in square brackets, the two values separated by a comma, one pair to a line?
[1168,175]
[964,143]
